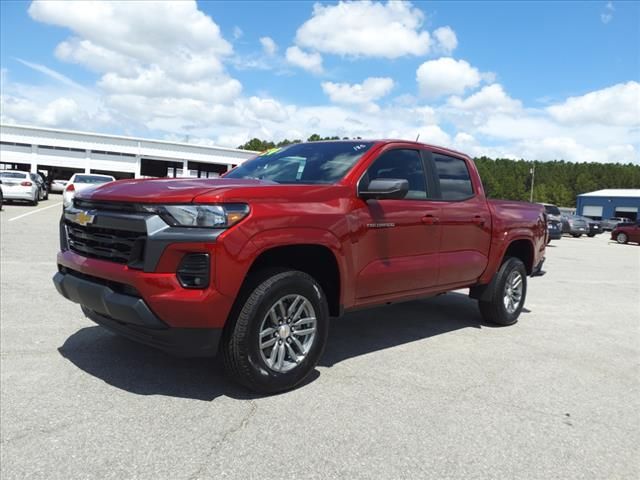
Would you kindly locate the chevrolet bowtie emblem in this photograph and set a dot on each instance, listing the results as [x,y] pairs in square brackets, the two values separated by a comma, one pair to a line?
[83,218]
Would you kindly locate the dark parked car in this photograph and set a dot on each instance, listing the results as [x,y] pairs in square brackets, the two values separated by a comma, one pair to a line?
[554,221]
[595,227]
[554,227]
[575,226]
[628,232]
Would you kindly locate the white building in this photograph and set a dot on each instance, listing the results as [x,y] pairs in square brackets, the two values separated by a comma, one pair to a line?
[61,153]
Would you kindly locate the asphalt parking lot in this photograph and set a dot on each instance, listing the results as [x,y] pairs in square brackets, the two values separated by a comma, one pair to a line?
[416,390]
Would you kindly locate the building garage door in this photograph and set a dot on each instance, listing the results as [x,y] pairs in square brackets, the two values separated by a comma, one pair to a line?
[627,212]
[592,211]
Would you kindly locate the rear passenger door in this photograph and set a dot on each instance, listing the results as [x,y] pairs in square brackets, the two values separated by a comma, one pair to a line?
[465,222]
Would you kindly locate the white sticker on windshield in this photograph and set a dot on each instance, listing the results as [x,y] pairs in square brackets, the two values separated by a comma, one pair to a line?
[359,147]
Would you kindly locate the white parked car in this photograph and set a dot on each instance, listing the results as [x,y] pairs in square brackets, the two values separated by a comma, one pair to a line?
[18,185]
[57,186]
[82,181]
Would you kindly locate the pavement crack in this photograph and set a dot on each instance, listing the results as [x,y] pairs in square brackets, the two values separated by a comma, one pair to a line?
[253,408]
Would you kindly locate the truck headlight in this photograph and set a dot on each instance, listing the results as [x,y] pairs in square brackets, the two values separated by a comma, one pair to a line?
[203,216]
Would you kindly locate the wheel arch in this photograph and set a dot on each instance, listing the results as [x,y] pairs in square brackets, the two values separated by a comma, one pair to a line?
[317,260]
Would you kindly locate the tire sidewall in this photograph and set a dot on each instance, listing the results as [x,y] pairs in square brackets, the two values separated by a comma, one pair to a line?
[507,267]
[622,238]
[294,283]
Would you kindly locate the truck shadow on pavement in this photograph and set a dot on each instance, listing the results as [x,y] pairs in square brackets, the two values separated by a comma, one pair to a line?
[145,371]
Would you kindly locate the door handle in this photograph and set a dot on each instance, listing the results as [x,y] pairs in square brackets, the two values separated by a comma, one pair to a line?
[478,220]
[429,220]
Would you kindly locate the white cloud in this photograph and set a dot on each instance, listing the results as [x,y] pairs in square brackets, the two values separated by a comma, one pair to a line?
[363,94]
[607,15]
[446,76]
[446,40]
[153,49]
[365,28]
[490,99]
[154,82]
[615,105]
[434,135]
[307,61]
[268,45]
[161,70]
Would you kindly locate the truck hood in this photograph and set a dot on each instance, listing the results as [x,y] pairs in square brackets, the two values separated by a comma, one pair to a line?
[166,190]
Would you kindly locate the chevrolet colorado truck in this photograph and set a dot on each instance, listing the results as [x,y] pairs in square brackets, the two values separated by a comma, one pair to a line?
[255,263]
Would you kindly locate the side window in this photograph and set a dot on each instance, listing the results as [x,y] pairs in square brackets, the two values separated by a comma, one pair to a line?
[455,182]
[403,164]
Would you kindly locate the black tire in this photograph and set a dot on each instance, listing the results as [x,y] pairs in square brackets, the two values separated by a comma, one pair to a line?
[576,235]
[35,200]
[243,359]
[622,237]
[591,235]
[494,310]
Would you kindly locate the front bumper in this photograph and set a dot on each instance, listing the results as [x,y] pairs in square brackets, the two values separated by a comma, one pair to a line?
[151,269]
[126,314]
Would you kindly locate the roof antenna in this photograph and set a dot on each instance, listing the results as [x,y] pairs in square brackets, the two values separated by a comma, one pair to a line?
[417,137]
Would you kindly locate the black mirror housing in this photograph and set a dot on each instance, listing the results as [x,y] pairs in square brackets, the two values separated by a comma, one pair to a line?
[385,188]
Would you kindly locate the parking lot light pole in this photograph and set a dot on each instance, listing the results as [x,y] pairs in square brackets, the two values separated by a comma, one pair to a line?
[532,171]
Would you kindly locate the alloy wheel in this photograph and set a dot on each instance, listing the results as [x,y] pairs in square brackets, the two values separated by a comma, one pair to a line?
[287,333]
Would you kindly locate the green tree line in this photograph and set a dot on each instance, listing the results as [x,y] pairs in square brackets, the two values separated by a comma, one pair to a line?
[557,182]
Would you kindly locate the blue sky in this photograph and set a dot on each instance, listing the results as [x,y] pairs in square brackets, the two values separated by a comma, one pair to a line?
[540,80]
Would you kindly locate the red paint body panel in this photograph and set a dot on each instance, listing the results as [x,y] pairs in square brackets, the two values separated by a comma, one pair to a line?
[632,231]
[426,247]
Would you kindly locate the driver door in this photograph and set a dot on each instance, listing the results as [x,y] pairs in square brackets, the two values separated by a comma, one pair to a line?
[398,249]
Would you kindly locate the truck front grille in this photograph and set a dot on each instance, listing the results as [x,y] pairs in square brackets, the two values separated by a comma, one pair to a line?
[120,246]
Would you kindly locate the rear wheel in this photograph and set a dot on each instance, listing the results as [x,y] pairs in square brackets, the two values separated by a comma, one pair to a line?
[35,200]
[509,293]
[590,235]
[279,333]
[576,235]
[622,237]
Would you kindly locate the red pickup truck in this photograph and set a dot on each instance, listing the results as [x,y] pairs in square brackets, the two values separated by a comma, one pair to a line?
[255,263]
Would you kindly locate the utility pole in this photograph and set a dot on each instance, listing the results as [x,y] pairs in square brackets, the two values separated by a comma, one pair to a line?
[532,171]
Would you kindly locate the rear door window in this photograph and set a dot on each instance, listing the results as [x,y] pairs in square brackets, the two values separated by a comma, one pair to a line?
[454,178]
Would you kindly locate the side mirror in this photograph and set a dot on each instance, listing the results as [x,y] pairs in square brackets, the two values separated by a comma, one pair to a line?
[385,188]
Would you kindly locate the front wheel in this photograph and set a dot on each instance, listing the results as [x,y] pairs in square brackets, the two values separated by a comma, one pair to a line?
[576,235]
[279,333]
[622,238]
[591,235]
[509,293]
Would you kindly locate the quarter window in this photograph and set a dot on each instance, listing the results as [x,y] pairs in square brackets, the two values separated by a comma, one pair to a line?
[455,182]
[401,164]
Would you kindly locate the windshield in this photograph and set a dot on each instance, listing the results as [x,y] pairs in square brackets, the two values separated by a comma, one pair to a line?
[552,209]
[320,162]
[91,179]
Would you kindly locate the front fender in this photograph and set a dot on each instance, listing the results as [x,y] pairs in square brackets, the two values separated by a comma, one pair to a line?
[233,264]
